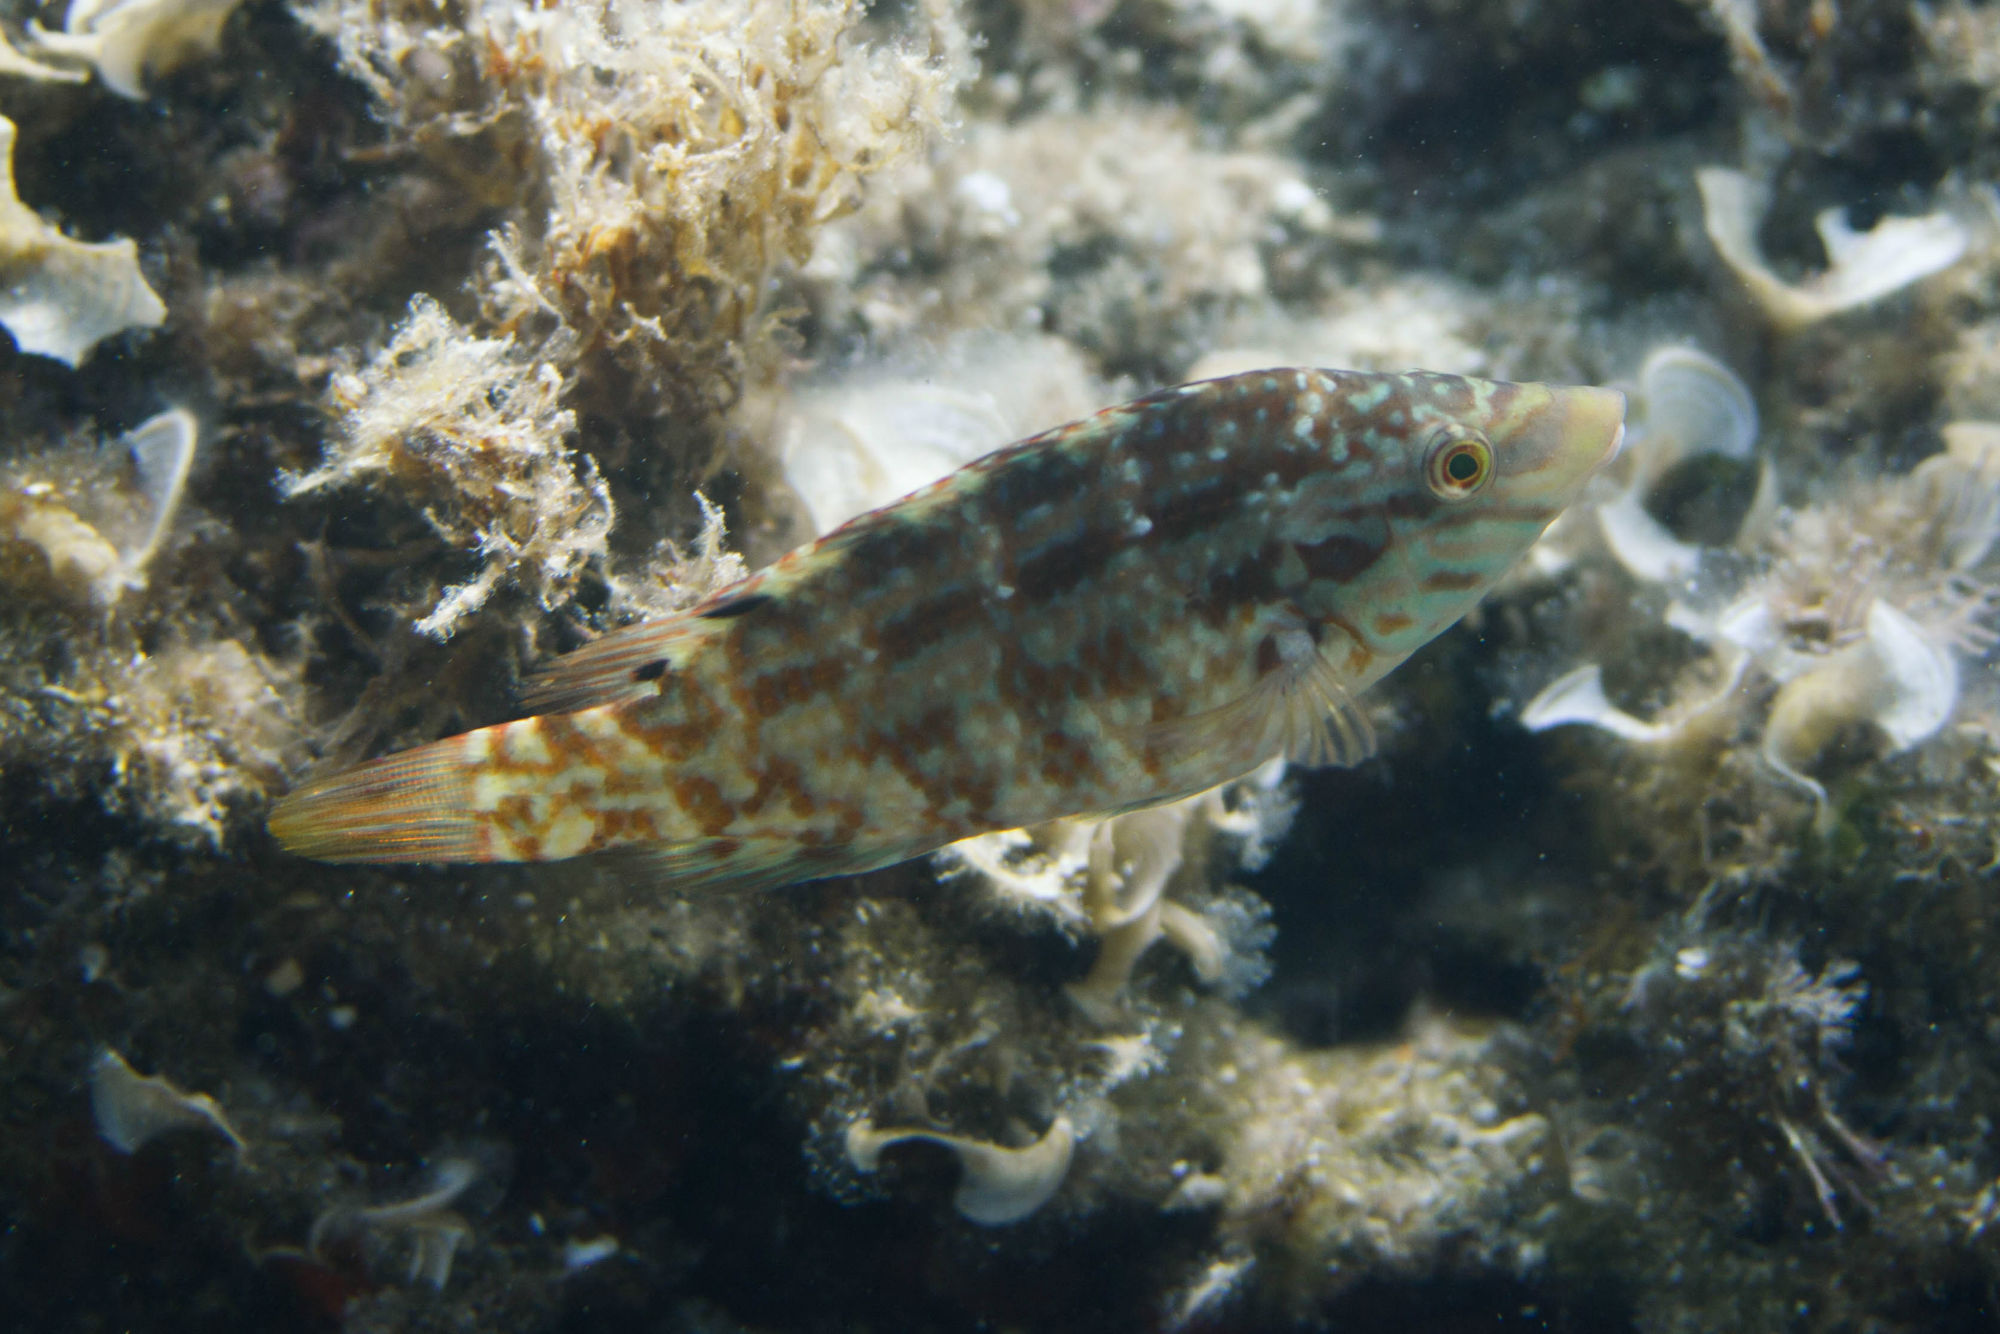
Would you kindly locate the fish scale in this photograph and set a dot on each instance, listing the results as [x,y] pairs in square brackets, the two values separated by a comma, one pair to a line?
[1114,613]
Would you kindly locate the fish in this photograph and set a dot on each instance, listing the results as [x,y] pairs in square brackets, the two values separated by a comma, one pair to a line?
[1112,614]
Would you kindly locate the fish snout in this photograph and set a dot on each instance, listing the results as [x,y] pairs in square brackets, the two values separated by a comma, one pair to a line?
[1592,427]
[1560,440]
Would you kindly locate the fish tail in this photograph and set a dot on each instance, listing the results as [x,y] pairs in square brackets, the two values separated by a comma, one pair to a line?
[413,806]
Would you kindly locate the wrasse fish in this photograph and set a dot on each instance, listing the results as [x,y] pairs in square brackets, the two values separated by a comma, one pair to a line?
[1114,613]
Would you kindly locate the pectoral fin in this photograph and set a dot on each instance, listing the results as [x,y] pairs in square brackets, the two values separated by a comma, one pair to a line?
[1300,709]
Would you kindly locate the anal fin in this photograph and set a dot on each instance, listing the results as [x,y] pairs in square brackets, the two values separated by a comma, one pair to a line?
[745,865]
[1299,709]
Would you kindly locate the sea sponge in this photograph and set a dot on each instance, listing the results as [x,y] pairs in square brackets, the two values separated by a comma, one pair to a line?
[658,162]
[1396,1160]
[470,428]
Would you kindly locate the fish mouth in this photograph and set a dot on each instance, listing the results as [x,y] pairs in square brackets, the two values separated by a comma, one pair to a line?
[1566,434]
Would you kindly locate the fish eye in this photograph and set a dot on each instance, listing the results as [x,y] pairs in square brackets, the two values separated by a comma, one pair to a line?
[1458,463]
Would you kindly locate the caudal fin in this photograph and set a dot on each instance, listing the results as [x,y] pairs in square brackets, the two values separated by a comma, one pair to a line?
[414,806]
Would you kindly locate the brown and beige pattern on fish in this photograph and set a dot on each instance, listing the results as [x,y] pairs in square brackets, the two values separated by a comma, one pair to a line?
[1114,613]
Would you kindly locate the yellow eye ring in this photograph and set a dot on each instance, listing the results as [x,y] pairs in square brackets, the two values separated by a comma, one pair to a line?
[1458,464]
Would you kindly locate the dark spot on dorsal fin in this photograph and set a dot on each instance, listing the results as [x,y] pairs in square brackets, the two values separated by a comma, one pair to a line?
[1269,659]
[650,671]
[734,607]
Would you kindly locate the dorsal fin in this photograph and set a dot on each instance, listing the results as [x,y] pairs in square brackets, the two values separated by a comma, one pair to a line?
[628,663]
[1300,708]
[625,664]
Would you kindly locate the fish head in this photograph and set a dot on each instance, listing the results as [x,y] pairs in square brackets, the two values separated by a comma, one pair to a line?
[1546,442]
[1465,475]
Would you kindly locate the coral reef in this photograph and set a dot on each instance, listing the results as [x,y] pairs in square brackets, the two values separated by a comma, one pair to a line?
[1643,982]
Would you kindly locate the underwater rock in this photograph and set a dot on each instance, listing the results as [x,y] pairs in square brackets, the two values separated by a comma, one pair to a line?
[1404,1158]
[1560,1022]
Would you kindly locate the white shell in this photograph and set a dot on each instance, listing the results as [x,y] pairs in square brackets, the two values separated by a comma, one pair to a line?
[1690,403]
[1578,697]
[162,448]
[435,1232]
[132,1110]
[997,1185]
[127,40]
[1962,488]
[878,434]
[1921,676]
[1862,266]
[14,63]
[58,297]
[1641,544]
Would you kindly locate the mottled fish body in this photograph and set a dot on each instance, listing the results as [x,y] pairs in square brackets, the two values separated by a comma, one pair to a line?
[1113,613]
